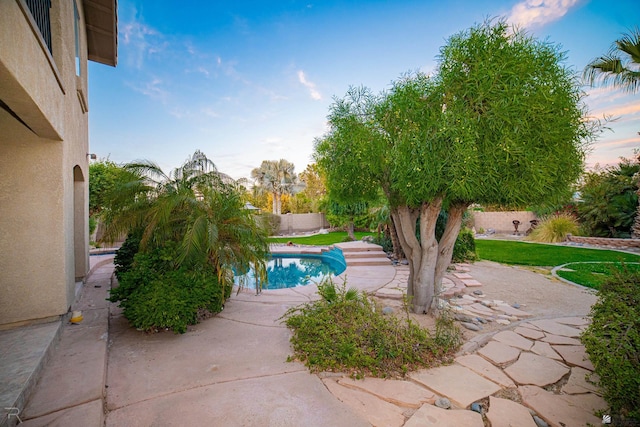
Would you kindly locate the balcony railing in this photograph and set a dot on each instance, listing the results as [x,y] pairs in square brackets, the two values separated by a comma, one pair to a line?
[40,11]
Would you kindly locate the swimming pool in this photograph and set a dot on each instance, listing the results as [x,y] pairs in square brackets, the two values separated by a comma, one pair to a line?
[292,270]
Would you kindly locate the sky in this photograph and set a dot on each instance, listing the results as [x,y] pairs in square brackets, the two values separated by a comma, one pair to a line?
[247,81]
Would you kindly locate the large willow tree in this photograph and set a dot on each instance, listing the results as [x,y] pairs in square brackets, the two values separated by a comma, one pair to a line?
[502,121]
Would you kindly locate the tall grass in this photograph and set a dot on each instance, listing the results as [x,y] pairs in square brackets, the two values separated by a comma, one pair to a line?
[554,229]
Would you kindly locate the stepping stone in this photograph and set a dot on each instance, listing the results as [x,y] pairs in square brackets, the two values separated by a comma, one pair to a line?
[574,321]
[545,349]
[481,309]
[507,309]
[537,370]
[390,293]
[486,369]
[463,275]
[581,381]
[498,353]
[461,385]
[574,355]
[398,392]
[529,333]
[374,410]
[556,328]
[559,409]
[471,283]
[530,326]
[429,415]
[512,339]
[507,413]
[558,339]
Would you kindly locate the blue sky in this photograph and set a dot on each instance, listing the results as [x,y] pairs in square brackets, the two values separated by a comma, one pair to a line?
[247,81]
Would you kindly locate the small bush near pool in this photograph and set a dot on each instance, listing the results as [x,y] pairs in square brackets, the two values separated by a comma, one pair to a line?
[345,331]
[555,228]
[613,344]
[155,294]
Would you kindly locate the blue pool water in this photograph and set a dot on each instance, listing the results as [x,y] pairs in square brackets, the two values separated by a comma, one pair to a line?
[291,270]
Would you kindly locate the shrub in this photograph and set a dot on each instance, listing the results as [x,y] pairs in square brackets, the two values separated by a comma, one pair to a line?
[156,294]
[465,247]
[124,256]
[384,241]
[555,228]
[347,332]
[613,342]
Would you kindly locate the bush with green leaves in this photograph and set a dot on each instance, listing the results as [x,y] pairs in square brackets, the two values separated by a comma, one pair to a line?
[555,228]
[613,342]
[124,255]
[465,247]
[156,293]
[345,331]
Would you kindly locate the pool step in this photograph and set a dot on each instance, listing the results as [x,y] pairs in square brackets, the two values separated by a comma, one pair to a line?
[369,261]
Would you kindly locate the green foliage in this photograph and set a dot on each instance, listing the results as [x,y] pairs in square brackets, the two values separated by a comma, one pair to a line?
[92,225]
[384,241]
[103,177]
[609,200]
[555,228]
[124,256]
[613,343]
[465,247]
[156,293]
[500,122]
[523,253]
[593,274]
[345,331]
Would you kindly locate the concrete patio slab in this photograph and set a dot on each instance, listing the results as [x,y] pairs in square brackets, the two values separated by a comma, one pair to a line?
[429,415]
[460,384]
[143,366]
[75,373]
[287,400]
[86,415]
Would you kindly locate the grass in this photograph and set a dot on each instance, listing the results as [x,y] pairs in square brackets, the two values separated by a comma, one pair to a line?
[593,274]
[320,239]
[535,254]
[345,331]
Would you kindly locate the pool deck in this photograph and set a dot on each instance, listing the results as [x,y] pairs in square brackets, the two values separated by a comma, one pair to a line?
[232,370]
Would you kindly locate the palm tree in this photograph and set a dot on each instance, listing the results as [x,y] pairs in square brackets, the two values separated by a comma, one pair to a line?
[620,66]
[278,178]
[196,206]
[624,73]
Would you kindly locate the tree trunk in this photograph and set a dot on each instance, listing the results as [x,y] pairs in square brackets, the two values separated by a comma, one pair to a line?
[448,241]
[274,203]
[393,234]
[423,254]
[350,230]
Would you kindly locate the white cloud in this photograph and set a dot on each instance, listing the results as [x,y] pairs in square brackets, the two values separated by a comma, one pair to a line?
[210,112]
[537,13]
[141,41]
[152,89]
[309,85]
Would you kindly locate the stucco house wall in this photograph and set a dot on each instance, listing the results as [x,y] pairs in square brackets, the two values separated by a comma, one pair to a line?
[43,161]
[297,223]
[502,222]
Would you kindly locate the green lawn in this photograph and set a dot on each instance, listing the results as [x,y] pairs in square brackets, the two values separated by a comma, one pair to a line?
[592,274]
[536,254]
[320,239]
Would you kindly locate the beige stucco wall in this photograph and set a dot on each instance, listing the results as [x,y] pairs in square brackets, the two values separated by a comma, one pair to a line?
[502,222]
[43,199]
[296,223]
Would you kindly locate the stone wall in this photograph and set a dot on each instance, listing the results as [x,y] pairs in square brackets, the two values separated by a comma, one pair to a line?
[605,241]
[502,222]
[298,223]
